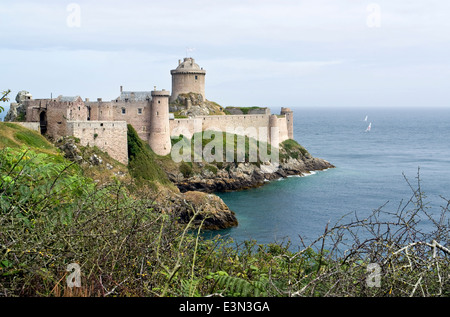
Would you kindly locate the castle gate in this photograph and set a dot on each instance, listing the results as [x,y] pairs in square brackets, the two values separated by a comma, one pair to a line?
[43,122]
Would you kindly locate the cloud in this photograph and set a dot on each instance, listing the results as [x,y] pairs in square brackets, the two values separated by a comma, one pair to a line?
[253,46]
[116,24]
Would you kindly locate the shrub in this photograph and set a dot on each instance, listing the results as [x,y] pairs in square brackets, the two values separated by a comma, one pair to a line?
[186,169]
[142,161]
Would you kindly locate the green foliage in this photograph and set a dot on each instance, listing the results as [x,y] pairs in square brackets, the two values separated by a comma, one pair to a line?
[4,98]
[142,161]
[32,139]
[51,216]
[211,168]
[290,148]
[14,135]
[239,287]
[229,144]
[245,110]
[25,185]
[186,169]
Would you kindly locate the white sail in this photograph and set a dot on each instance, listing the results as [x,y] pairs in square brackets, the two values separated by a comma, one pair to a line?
[365,119]
[369,127]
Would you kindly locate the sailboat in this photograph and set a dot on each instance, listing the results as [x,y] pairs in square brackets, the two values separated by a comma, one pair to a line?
[365,119]
[369,127]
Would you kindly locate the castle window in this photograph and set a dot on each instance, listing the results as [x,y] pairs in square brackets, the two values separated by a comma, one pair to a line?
[139,110]
[101,124]
[159,101]
[196,77]
[124,111]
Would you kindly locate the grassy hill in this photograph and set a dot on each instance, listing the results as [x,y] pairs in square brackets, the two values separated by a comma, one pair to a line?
[15,136]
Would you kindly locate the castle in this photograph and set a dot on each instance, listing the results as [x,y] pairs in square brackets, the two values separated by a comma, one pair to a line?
[104,123]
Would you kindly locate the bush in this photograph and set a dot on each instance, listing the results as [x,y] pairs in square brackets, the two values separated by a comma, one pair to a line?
[52,216]
[142,161]
[186,169]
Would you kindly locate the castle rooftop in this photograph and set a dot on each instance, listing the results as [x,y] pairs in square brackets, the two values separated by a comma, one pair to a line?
[188,66]
[135,95]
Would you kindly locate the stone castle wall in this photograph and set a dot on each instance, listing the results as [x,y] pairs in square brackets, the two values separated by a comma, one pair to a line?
[236,123]
[136,113]
[54,114]
[109,136]
[30,125]
[104,124]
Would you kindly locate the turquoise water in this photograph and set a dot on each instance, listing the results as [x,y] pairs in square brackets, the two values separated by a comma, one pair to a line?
[369,172]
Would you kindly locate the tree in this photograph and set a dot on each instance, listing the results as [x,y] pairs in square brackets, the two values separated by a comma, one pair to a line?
[4,98]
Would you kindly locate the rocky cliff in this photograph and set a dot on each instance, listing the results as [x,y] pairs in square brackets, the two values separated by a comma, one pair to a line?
[192,105]
[294,160]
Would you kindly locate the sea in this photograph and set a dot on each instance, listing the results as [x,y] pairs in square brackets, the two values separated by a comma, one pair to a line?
[376,168]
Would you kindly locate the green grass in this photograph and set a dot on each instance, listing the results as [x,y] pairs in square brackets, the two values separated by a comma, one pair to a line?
[15,136]
[33,139]
[245,110]
[143,163]
[7,142]
[226,142]
[291,148]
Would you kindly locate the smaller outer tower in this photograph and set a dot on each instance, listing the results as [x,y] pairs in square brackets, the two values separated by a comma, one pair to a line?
[289,120]
[186,78]
[159,137]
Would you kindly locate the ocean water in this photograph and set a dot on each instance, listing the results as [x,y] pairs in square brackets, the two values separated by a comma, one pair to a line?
[370,171]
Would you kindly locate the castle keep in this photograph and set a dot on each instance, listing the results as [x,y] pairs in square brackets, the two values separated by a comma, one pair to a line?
[104,123]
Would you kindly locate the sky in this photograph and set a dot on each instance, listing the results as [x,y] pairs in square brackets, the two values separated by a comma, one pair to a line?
[284,53]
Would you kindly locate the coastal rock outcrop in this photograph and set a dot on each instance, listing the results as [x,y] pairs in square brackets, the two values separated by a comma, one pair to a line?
[210,210]
[193,104]
[233,177]
[17,111]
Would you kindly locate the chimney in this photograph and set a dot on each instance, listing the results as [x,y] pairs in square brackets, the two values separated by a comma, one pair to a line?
[121,89]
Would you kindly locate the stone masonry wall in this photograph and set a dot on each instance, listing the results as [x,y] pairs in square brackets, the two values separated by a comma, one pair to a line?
[136,113]
[30,125]
[184,83]
[109,136]
[188,127]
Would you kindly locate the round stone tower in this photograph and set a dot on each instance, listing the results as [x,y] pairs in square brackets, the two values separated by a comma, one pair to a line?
[289,121]
[274,130]
[159,137]
[186,78]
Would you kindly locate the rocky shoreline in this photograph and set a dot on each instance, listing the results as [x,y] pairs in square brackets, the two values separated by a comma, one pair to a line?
[246,175]
[197,191]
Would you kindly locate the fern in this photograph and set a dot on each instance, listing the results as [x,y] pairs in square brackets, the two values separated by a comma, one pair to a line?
[189,288]
[237,286]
